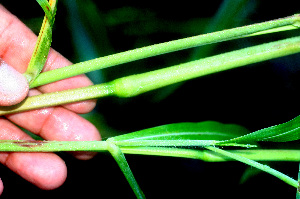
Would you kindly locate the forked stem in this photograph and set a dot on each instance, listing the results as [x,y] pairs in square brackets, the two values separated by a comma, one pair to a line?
[137,84]
[257,165]
[287,23]
[122,162]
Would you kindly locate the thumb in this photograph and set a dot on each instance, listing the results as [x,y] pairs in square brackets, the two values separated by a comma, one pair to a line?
[13,85]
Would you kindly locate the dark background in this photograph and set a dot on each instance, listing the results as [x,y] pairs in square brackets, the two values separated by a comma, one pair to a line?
[255,96]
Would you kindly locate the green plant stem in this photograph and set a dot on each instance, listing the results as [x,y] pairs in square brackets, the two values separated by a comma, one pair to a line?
[136,84]
[298,189]
[121,160]
[172,143]
[257,165]
[208,156]
[99,146]
[51,146]
[62,97]
[291,22]
[227,11]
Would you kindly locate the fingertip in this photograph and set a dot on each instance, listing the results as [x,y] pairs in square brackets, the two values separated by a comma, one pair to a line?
[1,187]
[13,85]
[45,170]
[55,177]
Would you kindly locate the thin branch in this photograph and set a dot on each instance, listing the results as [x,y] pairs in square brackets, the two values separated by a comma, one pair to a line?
[287,23]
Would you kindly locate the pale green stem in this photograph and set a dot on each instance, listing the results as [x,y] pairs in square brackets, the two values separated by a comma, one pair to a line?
[121,160]
[227,11]
[257,165]
[98,146]
[137,84]
[298,189]
[208,156]
[62,97]
[51,146]
[291,22]
[156,143]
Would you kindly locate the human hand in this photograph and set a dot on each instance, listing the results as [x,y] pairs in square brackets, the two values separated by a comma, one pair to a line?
[45,170]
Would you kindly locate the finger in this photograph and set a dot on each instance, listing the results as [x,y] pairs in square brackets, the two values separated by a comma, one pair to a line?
[45,170]
[16,41]
[1,187]
[16,46]
[58,124]
[56,60]
[13,85]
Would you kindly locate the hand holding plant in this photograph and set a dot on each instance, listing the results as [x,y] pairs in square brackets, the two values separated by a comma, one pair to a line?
[59,123]
[208,141]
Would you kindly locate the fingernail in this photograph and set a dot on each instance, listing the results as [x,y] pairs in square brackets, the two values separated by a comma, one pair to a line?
[13,85]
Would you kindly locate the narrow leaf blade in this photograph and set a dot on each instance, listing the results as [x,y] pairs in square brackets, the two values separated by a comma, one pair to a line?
[289,131]
[257,165]
[42,47]
[208,130]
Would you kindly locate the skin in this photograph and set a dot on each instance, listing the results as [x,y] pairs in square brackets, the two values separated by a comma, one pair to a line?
[13,85]
[45,170]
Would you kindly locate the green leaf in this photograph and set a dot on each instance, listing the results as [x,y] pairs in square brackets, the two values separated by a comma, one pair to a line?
[289,131]
[50,14]
[208,130]
[42,47]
